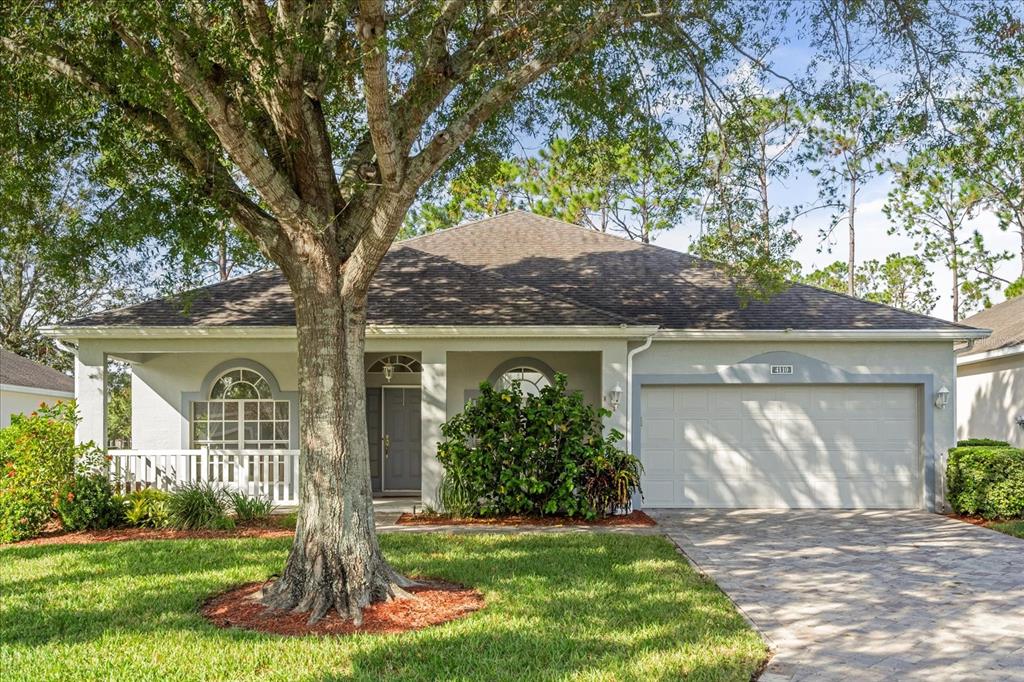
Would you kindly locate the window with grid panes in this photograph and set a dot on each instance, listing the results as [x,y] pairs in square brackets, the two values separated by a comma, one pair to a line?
[241,414]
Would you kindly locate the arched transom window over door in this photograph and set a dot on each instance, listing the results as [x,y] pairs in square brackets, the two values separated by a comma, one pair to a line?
[531,380]
[241,413]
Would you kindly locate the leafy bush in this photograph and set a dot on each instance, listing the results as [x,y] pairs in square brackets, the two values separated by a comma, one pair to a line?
[249,507]
[147,508]
[987,481]
[38,458]
[509,453]
[971,442]
[89,502]
[199,506]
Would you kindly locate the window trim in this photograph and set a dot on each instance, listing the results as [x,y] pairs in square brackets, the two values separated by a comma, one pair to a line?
[203,394]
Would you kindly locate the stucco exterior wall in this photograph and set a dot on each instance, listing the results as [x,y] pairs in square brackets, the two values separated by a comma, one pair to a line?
[19,402]
[933,358]
[466,370]
[159,420]
[990,397]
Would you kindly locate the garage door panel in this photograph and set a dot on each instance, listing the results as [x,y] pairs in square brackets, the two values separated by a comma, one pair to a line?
[781,446]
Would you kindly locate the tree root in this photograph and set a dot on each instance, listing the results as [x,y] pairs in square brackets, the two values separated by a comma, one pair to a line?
[319,589]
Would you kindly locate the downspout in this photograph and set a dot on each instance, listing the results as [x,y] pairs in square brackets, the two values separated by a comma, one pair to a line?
[61,346]
[967,348]
[629,389]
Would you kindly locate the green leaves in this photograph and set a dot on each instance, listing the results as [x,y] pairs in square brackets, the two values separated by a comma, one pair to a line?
[510,453]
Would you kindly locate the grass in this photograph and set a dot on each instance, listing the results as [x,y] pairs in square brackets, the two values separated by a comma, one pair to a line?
[1014,528]
[559,607]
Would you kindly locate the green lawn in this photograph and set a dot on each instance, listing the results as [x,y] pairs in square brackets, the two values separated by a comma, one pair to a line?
[559,607]
[1014,528]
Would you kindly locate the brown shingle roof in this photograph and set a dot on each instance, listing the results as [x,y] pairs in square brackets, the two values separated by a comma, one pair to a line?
[19,371]
[523,269]
[1006,320]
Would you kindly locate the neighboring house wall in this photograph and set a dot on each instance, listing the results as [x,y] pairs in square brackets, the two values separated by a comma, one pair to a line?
[18,401]
[990,397]
[935,359]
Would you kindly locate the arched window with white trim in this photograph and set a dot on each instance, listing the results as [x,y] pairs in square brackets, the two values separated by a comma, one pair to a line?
[241,412]
[531,379]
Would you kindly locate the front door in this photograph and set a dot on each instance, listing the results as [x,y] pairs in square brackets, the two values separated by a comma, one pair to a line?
[400,439]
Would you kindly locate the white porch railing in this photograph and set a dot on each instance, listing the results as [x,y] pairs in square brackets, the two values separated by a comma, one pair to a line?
[273,474]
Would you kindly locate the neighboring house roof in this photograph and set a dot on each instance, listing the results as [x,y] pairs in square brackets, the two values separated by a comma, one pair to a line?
[522,269]
[18,371]
[1006,320]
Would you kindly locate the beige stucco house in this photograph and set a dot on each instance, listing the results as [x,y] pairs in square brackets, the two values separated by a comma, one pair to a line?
[990,377]
[811,399]
[24,384]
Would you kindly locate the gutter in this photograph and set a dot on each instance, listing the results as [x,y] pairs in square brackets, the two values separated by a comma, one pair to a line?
[16,388]
[975,358]
[822,334]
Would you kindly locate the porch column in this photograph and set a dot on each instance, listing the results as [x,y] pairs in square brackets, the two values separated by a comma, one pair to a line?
[433,413]
[613,373]
[91,395]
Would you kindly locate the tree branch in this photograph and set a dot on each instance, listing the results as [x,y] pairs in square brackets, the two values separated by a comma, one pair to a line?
[372,30]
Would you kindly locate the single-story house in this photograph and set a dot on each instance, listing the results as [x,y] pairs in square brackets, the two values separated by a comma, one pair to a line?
[810,399]
[24,384]
[990,377]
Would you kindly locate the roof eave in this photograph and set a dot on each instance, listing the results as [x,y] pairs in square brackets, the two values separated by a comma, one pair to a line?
[372,331]
[951,334]
[1005,352]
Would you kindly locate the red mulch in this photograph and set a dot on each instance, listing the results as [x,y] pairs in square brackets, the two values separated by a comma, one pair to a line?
[59,536]
[633,519]
[435,602]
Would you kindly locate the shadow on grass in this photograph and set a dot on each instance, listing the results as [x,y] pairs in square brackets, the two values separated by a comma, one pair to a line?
[556,605]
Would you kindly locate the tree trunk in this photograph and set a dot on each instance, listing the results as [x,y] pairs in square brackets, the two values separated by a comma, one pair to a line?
[335,561]
[851,262]
[954,269]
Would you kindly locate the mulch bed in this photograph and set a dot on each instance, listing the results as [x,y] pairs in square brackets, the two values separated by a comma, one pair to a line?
[633,519]
[58,536]
[433,603]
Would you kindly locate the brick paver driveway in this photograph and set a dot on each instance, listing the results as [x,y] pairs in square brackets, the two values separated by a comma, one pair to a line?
[867,595]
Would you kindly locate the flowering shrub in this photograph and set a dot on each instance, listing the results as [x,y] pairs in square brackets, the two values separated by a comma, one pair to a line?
[38,459]
[89,502]
[542,454]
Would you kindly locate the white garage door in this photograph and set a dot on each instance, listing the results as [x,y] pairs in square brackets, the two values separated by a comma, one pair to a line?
[836,446]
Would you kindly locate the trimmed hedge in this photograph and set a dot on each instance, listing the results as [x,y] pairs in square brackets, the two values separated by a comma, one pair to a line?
[986,481]
[971,442]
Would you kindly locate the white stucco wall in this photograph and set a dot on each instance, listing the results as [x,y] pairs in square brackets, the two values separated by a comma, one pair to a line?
[990,397]
[159,419]
[935,358]
[22,402]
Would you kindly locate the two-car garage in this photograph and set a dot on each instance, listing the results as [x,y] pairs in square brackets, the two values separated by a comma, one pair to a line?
[781,445]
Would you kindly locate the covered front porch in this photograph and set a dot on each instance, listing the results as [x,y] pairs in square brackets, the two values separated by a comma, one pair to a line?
[226,410]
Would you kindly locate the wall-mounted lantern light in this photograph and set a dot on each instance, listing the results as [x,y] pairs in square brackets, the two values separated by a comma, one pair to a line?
[1020,421]
[615,397]
[942,398]
[389,371]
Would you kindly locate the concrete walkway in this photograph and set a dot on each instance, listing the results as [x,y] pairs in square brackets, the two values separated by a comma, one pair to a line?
[867,595]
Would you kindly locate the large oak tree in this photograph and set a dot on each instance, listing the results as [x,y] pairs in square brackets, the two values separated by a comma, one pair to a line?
[314,124]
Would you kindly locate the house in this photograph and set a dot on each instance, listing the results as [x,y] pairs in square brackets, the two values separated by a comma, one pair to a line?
[990,377]
[811,399]
[24,384]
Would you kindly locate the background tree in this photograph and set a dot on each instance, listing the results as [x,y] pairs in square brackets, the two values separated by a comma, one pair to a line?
[933,206]
[900,281]
[635,187]
[851,127]
[988,129]
[746,152]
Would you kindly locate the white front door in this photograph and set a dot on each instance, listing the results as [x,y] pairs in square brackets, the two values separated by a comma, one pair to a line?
[783,446]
